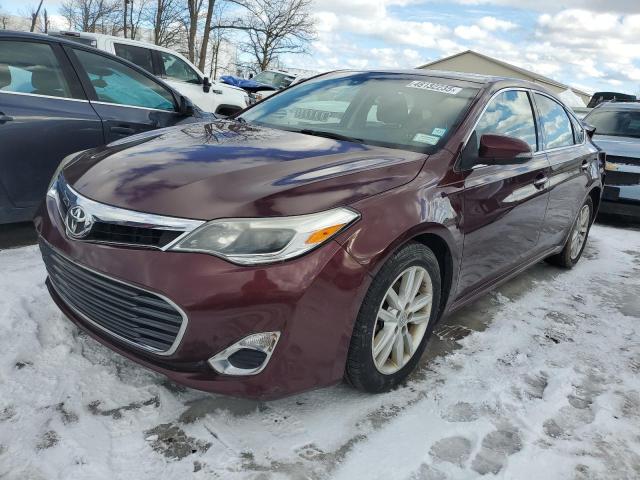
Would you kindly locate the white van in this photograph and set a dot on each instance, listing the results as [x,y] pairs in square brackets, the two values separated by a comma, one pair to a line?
[170,66]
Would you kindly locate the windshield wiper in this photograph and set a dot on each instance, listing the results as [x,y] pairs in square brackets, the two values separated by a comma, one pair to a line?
[332,135]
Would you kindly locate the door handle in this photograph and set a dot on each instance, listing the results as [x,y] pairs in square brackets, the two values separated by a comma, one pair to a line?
[5,118]
[540,182]
[585,165]
[123,130]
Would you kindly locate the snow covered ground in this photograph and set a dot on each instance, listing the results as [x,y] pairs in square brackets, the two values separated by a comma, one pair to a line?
[539,380]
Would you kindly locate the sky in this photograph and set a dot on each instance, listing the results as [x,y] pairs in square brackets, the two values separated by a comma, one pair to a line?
[588,44]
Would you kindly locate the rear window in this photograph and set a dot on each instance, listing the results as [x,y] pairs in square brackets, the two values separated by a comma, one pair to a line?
[137,55]
[412,112]
[615,123]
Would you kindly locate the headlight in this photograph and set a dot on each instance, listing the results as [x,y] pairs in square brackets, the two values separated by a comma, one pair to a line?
[65,161]
[250,241]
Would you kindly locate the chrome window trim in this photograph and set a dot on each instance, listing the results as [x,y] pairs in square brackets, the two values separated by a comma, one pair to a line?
[45,96]
[530,91]
[120,216]
[183,326]
[97,102]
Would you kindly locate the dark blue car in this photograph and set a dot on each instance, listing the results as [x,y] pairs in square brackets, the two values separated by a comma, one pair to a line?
[618,134]
[58,97]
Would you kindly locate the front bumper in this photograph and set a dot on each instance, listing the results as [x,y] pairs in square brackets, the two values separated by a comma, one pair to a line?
[313,301]
[621,194]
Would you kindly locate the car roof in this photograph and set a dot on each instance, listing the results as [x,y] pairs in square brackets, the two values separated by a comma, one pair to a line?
[482,81]
[619,106]
[37,36]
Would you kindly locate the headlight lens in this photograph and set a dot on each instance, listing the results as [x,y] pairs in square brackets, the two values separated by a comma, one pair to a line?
[250,241]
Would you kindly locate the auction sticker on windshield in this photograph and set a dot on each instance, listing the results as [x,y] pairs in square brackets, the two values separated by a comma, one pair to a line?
[435,87]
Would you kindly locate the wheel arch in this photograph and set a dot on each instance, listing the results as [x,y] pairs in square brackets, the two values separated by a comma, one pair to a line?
[441,241]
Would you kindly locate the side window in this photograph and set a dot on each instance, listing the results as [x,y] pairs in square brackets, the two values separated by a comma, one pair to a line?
[555,123]
[138,55]
[509,114]
[30,67]
[178,69]
[115,82]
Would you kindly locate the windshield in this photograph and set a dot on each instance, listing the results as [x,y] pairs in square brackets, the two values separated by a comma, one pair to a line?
[411,112]
[619,123]
[275,79]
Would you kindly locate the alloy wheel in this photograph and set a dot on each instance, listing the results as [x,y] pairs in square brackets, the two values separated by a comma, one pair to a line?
[402,320]
[580,230]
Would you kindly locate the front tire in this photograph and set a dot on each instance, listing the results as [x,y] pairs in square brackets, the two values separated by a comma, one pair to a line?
[395,320]
[577,240]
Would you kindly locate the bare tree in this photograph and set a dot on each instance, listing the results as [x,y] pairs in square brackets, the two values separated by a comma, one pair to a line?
[165,19]
[133,16]
[274,27]
[194,10]
[205,35]
[125,17]
[92,15]
[4,19]
[45,23]
[34,16]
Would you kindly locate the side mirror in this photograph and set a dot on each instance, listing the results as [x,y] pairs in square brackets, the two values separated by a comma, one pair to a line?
[186,107]
[501,150]
[206,85]
[590,129]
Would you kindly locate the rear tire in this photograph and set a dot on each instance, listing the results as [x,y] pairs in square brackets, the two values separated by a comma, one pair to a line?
[577,240]
[395,320]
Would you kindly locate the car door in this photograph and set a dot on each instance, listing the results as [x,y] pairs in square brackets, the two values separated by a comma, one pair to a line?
[504,205]
[128,99]
[570,160]
[44,116]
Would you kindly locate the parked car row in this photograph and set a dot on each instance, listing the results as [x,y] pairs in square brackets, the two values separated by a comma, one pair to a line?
[264,84]
[315,236]
[178,72]
[59,97]
[617,132]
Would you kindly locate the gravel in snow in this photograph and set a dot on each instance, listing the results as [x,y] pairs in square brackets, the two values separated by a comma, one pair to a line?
[540,379]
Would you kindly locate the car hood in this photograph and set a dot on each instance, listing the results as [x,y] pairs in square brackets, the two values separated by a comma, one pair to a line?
[618,146]
[231,169]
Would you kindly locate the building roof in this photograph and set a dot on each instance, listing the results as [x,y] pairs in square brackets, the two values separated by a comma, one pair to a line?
[522,71]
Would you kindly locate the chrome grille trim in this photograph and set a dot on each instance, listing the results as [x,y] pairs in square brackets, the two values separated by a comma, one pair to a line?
[65,197]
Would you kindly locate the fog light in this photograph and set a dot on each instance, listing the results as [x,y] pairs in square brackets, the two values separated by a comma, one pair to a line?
[248,356]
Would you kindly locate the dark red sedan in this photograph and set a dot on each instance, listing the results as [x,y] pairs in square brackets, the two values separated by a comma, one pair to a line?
[321,234]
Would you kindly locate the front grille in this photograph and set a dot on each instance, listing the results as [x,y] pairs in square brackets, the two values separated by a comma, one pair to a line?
[129,313]
[613,177]
[117,232]
[123,234]
[623,160]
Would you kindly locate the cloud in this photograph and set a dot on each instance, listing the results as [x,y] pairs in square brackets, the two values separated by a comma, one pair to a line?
[596,6]
[492,23]
[474,32]
[578,46]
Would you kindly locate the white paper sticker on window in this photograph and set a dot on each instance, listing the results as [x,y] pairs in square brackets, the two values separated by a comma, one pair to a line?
[435,87]
[439,131]
[424,138]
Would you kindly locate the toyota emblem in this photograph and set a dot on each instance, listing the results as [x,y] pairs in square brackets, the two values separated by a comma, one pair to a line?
[78,222]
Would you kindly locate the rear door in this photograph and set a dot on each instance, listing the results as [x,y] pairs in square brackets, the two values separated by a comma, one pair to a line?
[44,116]
[504,205]
[570,161]
[127,99]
